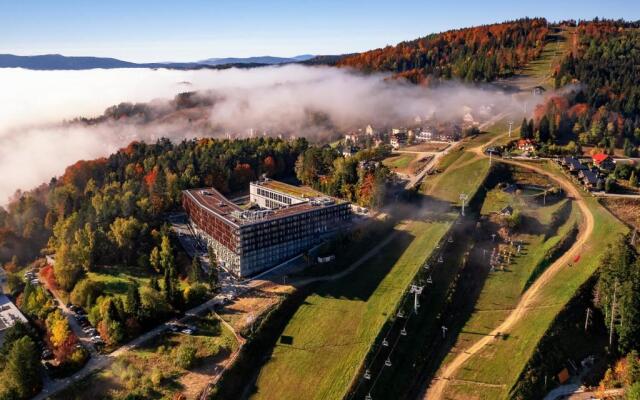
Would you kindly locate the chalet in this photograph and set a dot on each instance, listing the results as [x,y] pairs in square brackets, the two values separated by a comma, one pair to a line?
[526,145]
[450,136]
[369,131]
[349,151]
[351,138]
[424,136]
[590,179]
[398,137]
[573,164]
[603,161]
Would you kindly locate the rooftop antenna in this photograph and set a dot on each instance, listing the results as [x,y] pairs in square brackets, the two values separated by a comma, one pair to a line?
[463,198]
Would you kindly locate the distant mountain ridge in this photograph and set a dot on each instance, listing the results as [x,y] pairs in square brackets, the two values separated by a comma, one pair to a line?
[269,60]
[60,62]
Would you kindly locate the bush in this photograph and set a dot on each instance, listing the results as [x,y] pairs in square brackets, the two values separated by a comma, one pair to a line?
[186,356]
[86,292]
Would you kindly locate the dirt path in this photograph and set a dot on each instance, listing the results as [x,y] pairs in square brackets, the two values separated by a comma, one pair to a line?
[438,386]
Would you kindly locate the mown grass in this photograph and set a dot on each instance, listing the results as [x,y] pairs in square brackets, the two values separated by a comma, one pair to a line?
[401,161]
[502,361]
[331,333]
[465,179]
[502,289]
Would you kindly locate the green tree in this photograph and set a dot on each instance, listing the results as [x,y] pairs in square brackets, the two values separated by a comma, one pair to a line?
[132,301]
[22,374]
[185,356]
[633,179]
[196,268]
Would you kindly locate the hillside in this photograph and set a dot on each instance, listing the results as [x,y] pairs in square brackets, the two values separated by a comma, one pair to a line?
[481,53]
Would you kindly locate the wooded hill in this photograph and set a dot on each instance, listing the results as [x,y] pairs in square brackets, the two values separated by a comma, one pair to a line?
[481,53]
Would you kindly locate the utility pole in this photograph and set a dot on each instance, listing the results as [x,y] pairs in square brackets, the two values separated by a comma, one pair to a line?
[613,313]
[416,290]
[463,197]
[510,126]
[586,320]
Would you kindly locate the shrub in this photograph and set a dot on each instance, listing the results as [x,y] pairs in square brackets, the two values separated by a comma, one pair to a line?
[185,356]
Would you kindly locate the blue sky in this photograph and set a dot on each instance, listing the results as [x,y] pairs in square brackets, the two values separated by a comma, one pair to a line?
[188,30]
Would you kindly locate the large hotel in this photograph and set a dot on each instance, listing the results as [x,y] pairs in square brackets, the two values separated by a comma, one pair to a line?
[282,222]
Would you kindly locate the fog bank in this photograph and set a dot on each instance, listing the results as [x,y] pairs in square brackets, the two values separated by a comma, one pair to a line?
[35,145]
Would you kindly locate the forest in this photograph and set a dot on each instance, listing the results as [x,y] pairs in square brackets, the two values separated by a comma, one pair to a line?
[478,54]
[601,107]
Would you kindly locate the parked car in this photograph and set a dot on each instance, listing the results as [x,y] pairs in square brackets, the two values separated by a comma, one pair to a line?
[188,331]
[47,354]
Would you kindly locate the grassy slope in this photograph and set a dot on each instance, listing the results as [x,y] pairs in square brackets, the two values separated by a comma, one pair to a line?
[502,361]
[401,161]
[333,331]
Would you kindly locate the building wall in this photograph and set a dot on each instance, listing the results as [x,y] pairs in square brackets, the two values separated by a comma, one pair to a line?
[269,198]
[254,247]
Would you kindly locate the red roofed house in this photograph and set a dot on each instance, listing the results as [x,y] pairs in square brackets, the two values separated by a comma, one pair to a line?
[526,145]
[603,161]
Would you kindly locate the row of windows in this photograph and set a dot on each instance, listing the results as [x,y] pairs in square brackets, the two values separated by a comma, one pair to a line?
[274,196]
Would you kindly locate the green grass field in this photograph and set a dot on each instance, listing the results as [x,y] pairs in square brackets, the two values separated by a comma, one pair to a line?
[331,333]
[465,179]
[501,362]
[401,161]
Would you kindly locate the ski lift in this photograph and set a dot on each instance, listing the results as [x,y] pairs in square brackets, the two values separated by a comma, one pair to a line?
[426,267]
[385,343]
[403,332]
[368,397]
[438,245]
[367,374]
[429,280]
[387,362]
[400,314]
[450,240]
[440,260]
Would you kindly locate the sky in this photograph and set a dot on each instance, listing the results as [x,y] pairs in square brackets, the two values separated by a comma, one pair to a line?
[190,30]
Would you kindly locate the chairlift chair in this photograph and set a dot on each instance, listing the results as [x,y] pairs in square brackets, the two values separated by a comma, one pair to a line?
[440,260]
[403,332]
[387,362]
[368,397]
[450,240]
[367,374]
[429,280]
[400,314]
[385,343]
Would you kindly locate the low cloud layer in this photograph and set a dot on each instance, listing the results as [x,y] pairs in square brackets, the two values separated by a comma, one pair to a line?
[35,145]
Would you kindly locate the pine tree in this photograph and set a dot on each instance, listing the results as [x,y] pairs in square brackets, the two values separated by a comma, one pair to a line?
[524,129]
[633,179]
[21,371]
[194,272]
[132,301]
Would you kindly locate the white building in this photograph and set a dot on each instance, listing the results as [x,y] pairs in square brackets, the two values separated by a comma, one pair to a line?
[9,315]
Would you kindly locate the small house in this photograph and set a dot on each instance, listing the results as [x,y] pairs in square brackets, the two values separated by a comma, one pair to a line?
[603,161]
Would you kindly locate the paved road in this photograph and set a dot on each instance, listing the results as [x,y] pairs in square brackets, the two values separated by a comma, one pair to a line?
[577,392]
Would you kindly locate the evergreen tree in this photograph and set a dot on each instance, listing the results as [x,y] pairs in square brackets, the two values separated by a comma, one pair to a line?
[633,179]
[196,267]
[22,369]
[132,301]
